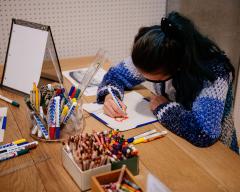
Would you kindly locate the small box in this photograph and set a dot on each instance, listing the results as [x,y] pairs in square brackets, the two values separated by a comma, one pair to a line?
[132,165]
[109,177]
[82,178]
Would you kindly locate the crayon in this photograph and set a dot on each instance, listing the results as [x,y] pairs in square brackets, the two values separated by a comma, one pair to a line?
[133,185]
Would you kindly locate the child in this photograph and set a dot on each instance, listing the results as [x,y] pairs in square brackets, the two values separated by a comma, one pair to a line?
[192,78]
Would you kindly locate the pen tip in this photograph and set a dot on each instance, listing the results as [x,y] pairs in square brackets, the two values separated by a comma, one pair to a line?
[15,104]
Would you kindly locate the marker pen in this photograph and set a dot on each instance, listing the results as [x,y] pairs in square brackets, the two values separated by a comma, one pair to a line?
[14,154]
[14,143]
[115,99]
[57,116]
[70,112]
[14,103]
[52,119]
[19,148]
[41,127]
[130,140]
[150,137]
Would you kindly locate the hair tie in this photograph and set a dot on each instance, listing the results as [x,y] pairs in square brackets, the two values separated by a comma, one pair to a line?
[168,28]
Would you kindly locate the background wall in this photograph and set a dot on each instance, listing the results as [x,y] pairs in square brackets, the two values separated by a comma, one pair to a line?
[220,21]
[81,27]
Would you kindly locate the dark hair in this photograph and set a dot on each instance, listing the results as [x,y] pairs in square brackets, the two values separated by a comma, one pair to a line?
[177,48]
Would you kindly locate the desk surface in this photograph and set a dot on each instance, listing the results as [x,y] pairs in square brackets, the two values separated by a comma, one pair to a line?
[178,164]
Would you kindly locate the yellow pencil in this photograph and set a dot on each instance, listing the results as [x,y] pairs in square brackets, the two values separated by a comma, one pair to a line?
[36,96]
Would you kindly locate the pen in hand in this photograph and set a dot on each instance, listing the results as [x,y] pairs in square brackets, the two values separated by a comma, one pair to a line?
[115,99]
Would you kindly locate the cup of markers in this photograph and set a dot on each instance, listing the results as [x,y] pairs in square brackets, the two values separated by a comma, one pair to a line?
[53,112]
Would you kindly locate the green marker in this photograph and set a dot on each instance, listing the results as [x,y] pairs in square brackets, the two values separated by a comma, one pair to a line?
[14,103]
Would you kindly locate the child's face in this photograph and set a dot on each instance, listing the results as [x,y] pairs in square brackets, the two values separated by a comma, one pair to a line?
[155,77]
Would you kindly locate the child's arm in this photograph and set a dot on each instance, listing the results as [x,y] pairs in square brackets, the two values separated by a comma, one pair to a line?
[202,124]
[122,76]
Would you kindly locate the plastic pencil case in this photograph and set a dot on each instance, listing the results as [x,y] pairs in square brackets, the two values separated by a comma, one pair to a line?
[81,178]
[73,125]
[109,177]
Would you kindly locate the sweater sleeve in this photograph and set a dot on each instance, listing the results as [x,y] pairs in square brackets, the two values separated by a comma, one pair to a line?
[119,77]
[201,125]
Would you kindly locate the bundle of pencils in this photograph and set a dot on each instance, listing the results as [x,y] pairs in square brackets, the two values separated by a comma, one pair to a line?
[96,149]
[51,109]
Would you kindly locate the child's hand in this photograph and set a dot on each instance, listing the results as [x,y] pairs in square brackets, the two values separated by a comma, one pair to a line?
[111,109]
[155,101]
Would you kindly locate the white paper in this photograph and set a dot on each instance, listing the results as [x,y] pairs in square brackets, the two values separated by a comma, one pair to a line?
[154,185]
[138,112]
[3,113]
[25,57]
[75,76]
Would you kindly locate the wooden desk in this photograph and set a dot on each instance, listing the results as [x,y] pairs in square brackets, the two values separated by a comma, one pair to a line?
[178,164]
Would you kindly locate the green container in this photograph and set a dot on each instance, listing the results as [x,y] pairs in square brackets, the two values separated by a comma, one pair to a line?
[132,165]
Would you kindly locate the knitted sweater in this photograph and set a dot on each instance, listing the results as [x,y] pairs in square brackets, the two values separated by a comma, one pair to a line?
[209,119]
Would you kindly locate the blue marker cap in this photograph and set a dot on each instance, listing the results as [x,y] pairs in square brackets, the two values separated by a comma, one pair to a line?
[130,140]
[4,124]
[22,143]
[71,91]
[57,133]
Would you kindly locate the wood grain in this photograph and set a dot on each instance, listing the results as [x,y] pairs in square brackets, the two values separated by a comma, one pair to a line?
[177,163]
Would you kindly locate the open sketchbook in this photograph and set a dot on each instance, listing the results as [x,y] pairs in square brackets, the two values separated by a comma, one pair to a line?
[138,111]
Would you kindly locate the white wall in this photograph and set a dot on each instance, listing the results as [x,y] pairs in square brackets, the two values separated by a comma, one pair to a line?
[81,27]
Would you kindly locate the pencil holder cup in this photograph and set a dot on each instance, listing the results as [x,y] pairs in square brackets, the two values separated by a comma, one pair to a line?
[55,115]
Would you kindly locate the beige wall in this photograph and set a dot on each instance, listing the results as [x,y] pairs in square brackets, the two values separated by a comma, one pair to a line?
[220,21]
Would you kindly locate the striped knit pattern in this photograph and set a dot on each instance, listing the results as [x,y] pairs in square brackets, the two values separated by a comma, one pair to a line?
[210,118]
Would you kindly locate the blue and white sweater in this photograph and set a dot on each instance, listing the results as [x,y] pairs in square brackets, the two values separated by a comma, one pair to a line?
[210,118]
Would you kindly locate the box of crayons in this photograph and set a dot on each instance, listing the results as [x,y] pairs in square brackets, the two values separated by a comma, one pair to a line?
[82,178]
[54,113]
[95,153]
[120,180]
[82,157]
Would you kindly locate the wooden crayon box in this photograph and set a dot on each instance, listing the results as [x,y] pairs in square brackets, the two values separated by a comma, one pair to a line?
[81,178]
[106,178]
